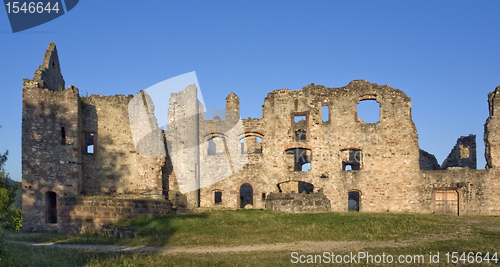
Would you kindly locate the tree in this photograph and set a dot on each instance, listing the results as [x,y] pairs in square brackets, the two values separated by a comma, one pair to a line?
[5,187]
[11,216]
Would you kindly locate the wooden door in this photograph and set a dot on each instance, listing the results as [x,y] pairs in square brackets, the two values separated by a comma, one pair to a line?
[446,202]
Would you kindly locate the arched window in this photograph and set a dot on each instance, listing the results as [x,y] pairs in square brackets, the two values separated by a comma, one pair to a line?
[51,207]
[251,144]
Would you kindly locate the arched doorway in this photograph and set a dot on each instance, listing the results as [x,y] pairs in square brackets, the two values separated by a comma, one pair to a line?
[51,206]
[353,201]
[246,195]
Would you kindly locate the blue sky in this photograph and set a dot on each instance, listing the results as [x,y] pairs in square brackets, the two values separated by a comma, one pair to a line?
[443,54]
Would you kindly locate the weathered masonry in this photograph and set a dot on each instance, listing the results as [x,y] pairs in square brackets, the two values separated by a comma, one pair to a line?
[308,153]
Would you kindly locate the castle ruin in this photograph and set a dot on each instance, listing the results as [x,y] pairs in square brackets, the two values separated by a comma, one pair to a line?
[81,168]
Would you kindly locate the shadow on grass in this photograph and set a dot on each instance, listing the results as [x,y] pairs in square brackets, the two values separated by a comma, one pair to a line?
[251,227]
[156,231]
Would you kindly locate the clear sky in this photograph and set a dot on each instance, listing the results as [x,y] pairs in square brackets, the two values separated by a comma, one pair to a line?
[445,55]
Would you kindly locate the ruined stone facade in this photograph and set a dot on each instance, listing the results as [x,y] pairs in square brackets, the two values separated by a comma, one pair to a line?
[82,167]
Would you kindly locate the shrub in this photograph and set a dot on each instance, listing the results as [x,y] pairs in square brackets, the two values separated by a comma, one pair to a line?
[14,220]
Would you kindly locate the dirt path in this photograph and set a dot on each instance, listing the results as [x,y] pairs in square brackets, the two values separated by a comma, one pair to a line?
[303,246]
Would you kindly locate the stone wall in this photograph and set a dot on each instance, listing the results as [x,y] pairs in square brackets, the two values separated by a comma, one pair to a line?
[427,161]
[77,150]
[463,154]
[182,142]
[491,128]
[49,75]
[298,203]
[389,177]
[114,166]
[88,214]
[471,186]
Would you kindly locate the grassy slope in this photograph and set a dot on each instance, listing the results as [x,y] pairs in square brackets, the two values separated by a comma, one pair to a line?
[229,228]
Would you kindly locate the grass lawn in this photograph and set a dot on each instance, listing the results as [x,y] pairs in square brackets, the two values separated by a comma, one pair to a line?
[253,227]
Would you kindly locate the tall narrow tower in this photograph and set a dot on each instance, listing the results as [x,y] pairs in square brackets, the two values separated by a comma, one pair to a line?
[491,140]
[51,156]
[232,107]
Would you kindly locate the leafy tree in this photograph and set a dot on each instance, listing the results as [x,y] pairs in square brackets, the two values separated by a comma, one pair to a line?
[5,187]
[8,188]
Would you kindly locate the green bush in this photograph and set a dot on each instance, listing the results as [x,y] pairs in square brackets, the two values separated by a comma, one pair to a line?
[14,220]
[3,248]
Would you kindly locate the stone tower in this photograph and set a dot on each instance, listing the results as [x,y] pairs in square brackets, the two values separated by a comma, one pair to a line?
[50,143]
[183,140]
[232,106]
[491,140]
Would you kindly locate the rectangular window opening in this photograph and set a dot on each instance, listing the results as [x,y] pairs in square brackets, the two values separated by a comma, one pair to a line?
[325,113]
[211,147]
[298,159]
[351,160]
[242,144]
[89,146]
[300,127]
[263,196]
[217,197]
[63,136]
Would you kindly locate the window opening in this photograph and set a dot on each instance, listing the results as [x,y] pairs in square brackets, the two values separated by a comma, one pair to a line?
[89,143]
[351,159]
[217,197]
[263,196]
[353,201]
[246,195]
[63,136]
[306,167]
[368,111]
[325,113]
[308,188]
[51,204]
[297,158]
[300,128]
[242,145]
[251,145]
[211,147]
